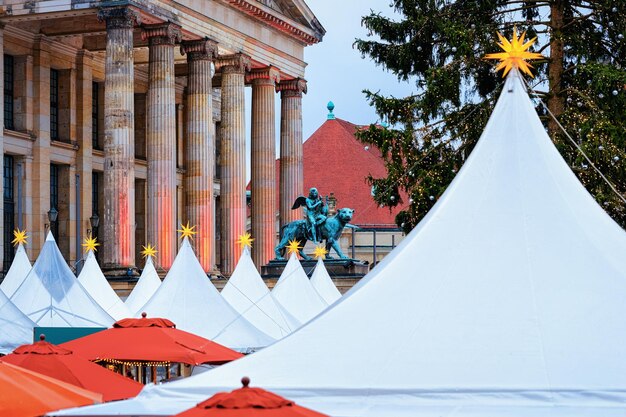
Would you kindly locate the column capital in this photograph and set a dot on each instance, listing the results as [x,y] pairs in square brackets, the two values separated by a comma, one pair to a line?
[199,49]
[161,34]
[269,75]
[119,17]
[292,88]
[83,55]
[235,63]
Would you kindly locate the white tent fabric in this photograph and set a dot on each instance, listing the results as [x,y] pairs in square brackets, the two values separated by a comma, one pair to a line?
[16,328]
[295,294]
[52,296]
[189,298]
[323,284]
[508,299]
[96,284]
[148,283]
[20,267]
[246,292]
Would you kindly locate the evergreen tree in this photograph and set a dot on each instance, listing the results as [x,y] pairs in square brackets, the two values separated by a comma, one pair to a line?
[440,45]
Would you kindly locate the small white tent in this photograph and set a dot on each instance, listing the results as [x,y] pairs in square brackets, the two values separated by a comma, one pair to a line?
[508,299]
[295,294]
[323,284]
[246,292]
[189,298]
[145,288]
[52,296]
[20,267]
[16,328]
[96,284]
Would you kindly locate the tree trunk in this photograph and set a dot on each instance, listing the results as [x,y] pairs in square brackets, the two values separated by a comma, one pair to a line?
[555,67]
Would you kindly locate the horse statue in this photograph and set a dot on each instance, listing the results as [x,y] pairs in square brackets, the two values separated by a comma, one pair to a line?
[330,229]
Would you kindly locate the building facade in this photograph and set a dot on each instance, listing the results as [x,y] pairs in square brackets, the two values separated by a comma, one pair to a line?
[126,118]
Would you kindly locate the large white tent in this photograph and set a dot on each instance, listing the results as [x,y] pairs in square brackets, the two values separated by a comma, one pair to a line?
[16,328]
[20,267]
[246,292]
[189,298]
[323,283]
[96,284]
[508,300]
[145,288]
[295,294]
[52,296]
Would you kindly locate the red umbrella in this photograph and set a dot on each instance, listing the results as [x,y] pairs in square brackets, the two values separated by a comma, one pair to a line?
[150,340]
[26,393]
[248,402]
[62,364]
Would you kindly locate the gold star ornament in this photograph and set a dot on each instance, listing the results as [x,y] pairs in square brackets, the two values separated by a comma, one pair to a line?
[293,247]
[186,231]
[90,243]
[245,241]
[19,237]
[149,251]
[515,54]
[320,252]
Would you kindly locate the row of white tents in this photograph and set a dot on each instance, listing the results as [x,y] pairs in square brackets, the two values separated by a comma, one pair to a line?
[246,316]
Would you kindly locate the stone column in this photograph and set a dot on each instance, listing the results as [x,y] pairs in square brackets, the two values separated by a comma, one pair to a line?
[200,147]
[263,178]
[119,149]
[232,157]
[84,87]
[2,130]
[161,140]
[291,166]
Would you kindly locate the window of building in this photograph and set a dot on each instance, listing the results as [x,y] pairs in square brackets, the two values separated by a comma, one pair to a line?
[9,214]
[54,198]
[9,81]
[95,116]
[54,104]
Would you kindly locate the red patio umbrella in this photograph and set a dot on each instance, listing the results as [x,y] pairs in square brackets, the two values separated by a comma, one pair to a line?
[248,402]
[150,340]
[62,364]
[26,393]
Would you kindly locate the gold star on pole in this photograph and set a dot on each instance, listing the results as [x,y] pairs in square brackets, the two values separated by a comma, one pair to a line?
[186,231]
[20,237]
[149,251]
[515,54]
[320,252]
[293,247]
[245,241]
[90,244]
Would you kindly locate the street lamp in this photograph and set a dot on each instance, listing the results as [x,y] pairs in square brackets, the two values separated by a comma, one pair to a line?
[94,221]
[52,217]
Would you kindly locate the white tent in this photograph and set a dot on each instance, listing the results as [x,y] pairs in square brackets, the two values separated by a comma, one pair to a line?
[189,298]
[16,328]
[295,294]
[323,284]
[508,300]
[52,296]
[20,267]
[145,288]
[96,284]
[246,292]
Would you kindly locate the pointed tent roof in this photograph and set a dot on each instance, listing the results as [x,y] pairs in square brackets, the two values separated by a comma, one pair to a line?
[20,267]
[52,296]
[16,328]
[323,284]
[295,294]
[507,300]
[189,298]
[246,292]
[149,282]
[96,284]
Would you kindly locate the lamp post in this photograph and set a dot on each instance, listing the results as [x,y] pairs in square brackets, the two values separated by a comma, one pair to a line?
[94,221]
[52,217]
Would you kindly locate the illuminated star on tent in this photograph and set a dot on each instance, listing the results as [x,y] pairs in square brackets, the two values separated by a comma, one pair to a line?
[20,237]
[293,247]
[245,240]
[186,231]
[515,53]
[90,244]
[320,252]
[149,251]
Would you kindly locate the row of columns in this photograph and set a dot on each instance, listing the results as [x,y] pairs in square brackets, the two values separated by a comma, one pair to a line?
[118,221]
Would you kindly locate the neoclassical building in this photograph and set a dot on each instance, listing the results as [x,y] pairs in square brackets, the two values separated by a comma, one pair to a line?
[125,118]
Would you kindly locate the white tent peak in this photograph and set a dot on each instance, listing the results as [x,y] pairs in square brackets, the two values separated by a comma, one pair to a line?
[50,237]
[20,267]
[145,288]
[323,283]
